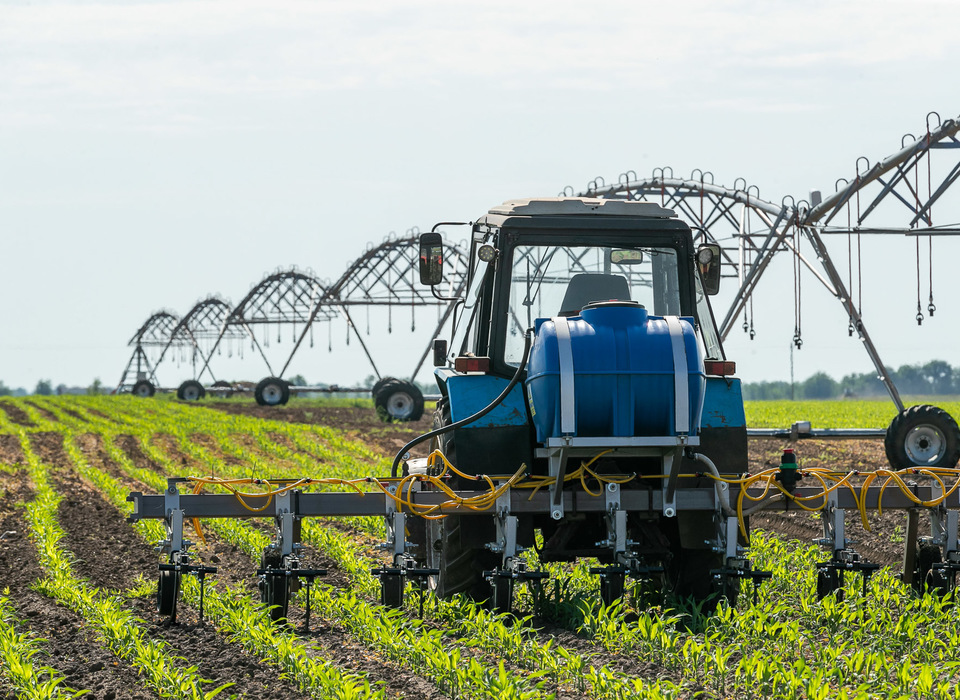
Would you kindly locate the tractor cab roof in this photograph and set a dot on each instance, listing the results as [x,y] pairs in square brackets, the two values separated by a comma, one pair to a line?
[580,209]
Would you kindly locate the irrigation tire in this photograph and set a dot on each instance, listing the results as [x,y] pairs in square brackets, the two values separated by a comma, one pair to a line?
[191,390]
[827,582]
[221,384]
[461,568]
[168,589]
[923,436]
[380,383]
[272,391]
[611,588]
[391,591]
[144,389]
[399,401]
[927,556]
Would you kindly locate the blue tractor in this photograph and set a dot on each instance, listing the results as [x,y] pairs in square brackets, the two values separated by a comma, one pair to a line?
[586,353]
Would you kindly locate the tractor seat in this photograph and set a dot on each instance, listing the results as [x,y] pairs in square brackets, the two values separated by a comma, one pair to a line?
[586,288]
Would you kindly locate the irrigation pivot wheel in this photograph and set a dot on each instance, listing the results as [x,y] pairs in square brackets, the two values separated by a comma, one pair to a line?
[224,385]
[272,391]
[399,401]
[380,383]
[922,436]
[144,389]
[191,390]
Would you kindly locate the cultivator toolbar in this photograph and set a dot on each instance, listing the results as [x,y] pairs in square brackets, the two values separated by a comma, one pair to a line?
[929,563]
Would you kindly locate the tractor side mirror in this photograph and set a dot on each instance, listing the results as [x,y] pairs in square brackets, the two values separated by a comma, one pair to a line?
[708,264]
[431,258]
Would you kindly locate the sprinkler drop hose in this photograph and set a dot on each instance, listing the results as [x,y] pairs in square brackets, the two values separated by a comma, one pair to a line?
[527,341]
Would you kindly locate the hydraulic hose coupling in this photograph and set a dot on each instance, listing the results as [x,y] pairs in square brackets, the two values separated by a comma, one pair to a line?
[789,473]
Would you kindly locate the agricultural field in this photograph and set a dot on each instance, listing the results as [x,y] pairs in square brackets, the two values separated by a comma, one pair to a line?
[78,582]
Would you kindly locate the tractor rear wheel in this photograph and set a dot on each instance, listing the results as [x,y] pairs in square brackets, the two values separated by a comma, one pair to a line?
[927,556]
[272,391]
[461,566]
[923,436]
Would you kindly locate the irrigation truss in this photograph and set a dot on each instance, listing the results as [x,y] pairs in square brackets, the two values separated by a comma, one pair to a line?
[383,276]
[894,196]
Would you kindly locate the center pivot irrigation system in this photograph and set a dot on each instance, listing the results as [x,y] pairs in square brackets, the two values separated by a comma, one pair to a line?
[896,196]
[295,302]
[587,410]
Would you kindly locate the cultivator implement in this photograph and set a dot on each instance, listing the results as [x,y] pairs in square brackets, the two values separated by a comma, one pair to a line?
[929,562]
[585,364]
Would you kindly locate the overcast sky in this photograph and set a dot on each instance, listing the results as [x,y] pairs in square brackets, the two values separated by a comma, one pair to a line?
[153,153]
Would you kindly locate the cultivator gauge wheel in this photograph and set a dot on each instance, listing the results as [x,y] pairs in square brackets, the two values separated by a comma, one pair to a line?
[391,590]
[168,590]
[502,600]
[827,582]
[927,575]
[275,593]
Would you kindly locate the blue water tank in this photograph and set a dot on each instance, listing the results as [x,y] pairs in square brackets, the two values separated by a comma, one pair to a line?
[623,378]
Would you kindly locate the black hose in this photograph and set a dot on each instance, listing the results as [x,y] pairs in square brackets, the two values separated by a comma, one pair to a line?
[527,340]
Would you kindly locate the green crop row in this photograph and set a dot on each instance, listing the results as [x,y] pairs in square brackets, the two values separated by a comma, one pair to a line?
[828,414]
[231,610]
[17,653]
[119,630]
[888,643]
[484,631]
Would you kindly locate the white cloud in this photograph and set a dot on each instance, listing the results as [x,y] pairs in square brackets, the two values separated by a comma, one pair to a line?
[163,51]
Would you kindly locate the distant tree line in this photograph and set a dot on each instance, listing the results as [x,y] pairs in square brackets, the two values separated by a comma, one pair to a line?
[935,378]
[45,388]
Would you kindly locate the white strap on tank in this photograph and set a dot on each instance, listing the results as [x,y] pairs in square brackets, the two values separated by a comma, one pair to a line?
[680,379]
[568,399]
